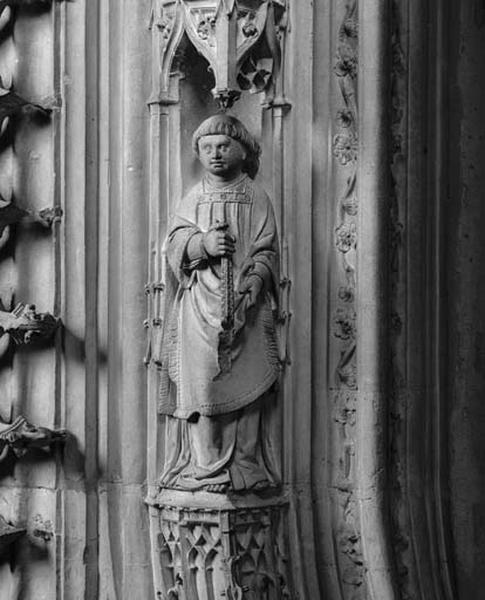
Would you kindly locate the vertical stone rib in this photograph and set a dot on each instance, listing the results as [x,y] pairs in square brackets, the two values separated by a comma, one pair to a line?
[297,417]
[439,130]
[91,299]
[372,359]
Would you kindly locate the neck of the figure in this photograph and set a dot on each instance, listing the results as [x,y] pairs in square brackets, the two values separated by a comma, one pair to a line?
[219,181]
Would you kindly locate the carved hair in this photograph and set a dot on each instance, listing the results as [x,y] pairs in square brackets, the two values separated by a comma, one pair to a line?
[233,128]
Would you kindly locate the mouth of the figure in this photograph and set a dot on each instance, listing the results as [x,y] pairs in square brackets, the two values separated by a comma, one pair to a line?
[217,163]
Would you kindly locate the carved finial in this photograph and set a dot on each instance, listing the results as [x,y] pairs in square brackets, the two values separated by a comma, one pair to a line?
[226,98]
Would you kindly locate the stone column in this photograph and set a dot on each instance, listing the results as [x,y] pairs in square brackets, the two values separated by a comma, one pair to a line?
[373,184]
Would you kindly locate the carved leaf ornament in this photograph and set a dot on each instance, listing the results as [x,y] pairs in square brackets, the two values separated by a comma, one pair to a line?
[239,40]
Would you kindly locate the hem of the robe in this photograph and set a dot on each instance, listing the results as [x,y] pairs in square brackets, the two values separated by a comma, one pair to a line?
[211,410]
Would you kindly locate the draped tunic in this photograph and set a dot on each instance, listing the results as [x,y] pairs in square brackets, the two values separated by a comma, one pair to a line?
[191,383]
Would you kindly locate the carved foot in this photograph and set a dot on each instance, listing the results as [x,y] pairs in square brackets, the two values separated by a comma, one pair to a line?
[223,541]
[217,488]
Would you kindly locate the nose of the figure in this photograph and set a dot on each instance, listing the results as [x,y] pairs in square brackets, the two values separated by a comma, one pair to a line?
[216,153]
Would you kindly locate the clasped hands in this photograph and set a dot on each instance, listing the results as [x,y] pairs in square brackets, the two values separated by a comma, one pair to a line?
[218,242]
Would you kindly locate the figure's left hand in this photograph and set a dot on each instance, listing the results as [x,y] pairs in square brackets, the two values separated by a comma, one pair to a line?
[252,285]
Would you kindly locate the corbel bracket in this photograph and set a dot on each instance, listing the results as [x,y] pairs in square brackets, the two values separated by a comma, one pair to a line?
[240,39]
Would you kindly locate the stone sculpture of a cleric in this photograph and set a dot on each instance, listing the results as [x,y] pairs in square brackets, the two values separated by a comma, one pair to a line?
[219,359]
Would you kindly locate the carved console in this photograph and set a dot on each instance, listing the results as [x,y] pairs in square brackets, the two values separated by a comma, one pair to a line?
[231,549]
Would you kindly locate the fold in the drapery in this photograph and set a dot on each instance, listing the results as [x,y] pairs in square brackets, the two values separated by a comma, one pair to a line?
[234,449]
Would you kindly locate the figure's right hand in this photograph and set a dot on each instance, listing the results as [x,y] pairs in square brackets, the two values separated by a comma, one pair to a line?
[218,241]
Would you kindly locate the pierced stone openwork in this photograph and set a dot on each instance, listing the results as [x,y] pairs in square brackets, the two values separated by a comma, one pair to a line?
[236,553]
[239,40]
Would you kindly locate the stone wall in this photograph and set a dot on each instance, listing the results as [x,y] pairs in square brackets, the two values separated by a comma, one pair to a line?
[374,161]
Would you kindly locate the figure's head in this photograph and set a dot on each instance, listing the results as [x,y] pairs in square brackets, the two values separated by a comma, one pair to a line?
[225,147]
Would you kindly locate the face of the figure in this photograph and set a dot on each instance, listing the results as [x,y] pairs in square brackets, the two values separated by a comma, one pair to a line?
[221,156]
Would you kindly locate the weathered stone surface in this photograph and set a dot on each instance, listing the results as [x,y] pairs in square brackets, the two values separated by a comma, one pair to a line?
[210,545]
[372,153]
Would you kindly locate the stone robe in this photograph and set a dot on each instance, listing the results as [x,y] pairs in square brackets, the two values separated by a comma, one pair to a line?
[215,430]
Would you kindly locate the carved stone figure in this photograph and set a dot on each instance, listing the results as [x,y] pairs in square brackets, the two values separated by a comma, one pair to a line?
[219,359]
